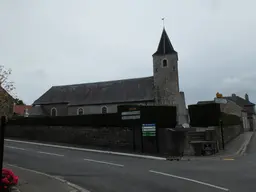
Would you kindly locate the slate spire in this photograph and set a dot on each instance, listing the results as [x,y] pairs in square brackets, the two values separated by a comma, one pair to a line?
[165,45]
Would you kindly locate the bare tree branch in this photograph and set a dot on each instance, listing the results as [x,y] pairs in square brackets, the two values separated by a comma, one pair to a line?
[6,91]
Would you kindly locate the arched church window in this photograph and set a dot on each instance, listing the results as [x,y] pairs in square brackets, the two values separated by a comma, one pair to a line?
[80,111]
[164,62]
[104,110]
[54,112]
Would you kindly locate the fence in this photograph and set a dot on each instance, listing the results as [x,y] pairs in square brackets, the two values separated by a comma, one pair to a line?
[204,115]
[121,131]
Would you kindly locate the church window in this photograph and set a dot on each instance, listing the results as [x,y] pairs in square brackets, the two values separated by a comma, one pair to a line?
[104,110]
[54,112]
[80,111]
[164,62]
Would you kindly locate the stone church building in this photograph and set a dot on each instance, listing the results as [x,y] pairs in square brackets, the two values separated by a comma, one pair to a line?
[103,97]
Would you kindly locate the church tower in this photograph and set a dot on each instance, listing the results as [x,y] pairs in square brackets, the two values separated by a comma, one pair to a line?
[166,78]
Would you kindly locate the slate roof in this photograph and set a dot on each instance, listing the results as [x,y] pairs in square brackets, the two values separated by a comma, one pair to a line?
[165,45]
[236,99]
[126,90]
[240,101]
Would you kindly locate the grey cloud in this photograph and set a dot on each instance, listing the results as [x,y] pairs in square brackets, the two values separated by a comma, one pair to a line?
[54,42]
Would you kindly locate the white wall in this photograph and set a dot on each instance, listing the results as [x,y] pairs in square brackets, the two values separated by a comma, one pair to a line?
[96,109]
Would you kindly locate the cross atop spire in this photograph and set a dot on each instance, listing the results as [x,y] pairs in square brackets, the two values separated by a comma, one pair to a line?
[163,22]
[165,45]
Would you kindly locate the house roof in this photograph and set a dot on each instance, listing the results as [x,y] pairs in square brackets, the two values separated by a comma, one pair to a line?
[20,109]
[165,45]
[126,90]
[240,101]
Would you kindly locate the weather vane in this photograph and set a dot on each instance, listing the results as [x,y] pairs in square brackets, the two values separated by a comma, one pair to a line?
[163,21]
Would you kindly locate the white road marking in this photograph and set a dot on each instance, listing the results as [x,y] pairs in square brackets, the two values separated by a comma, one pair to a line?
[104,162]
[191,180]
[55,154]
[88,150]
[52,177]
[11,147]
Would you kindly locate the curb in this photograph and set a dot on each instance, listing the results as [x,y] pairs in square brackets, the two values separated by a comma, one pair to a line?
[242,150]
[76,187]
[90,150]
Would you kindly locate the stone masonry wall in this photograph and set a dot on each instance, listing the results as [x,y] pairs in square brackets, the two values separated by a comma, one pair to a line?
[231,108]
[166,79]
[102,137]
[122,139]
[230,132]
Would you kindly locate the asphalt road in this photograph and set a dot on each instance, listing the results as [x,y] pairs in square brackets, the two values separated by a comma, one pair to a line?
[99,172]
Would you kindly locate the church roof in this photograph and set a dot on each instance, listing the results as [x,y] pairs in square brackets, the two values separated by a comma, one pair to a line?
[126,90]
[165,45]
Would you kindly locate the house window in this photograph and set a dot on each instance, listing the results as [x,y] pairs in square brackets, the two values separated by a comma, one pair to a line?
[54,112]
[80,111]
[104,110]
[164,62]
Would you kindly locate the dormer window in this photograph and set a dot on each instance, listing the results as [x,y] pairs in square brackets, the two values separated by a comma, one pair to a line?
[164,63]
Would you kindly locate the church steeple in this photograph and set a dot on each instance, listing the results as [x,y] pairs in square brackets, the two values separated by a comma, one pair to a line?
[165,45]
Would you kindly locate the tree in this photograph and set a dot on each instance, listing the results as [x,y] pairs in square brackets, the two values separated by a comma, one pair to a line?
[18,102]
[6,89]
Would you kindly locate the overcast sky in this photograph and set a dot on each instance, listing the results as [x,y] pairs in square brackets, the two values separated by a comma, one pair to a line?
[53,42]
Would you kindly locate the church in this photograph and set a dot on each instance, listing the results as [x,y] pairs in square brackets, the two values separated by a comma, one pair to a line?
[103,97]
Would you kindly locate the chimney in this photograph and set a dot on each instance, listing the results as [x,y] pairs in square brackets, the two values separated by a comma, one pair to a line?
[246,97]
[234,95]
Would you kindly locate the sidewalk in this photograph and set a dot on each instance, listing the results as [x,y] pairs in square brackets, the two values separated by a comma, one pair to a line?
[235,148]
[32,181]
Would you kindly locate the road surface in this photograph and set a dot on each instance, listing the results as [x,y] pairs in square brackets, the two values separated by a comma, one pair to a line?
[99,172]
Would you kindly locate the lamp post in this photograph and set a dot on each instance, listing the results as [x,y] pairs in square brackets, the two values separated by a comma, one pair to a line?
[222,134]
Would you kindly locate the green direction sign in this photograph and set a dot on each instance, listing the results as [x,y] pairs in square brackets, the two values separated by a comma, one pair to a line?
[148,130]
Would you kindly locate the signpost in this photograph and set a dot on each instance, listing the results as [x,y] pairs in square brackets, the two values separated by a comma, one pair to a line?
[148,130]
[219,99]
